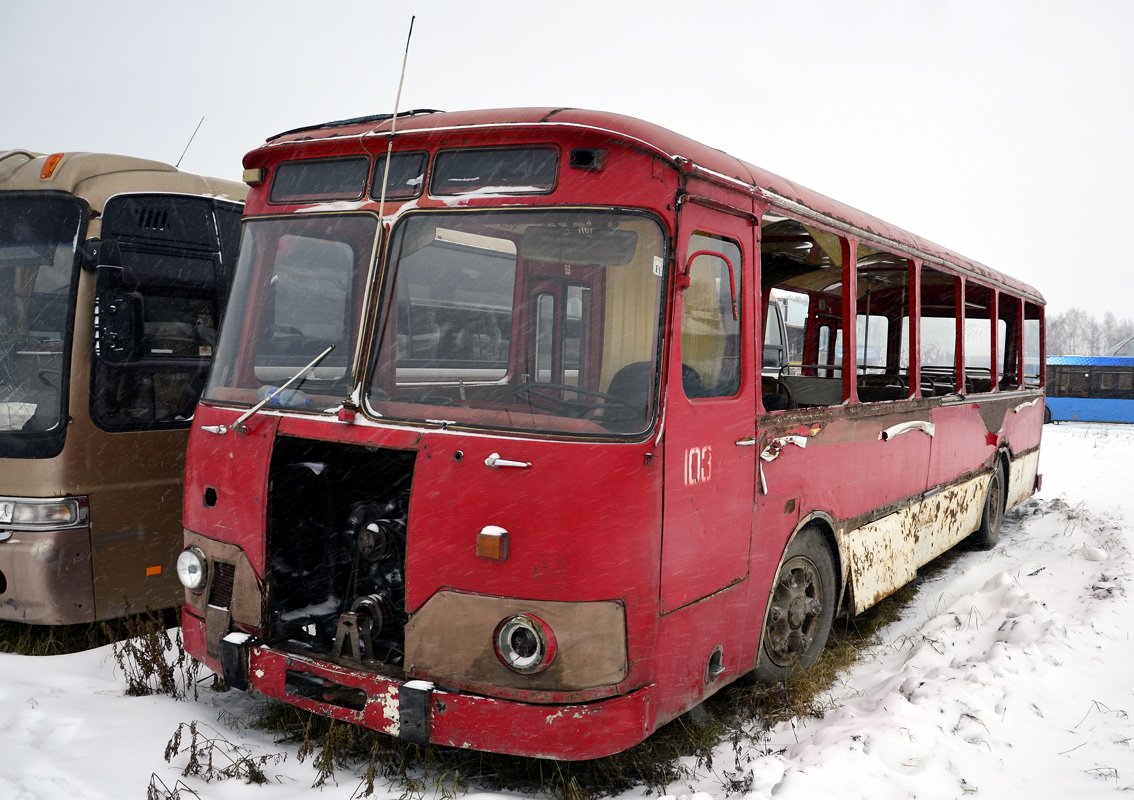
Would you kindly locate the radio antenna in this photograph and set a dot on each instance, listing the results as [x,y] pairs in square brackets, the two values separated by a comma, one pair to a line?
[191,138]
[394,123]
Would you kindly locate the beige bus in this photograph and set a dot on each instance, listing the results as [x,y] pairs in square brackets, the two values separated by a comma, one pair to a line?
[113,276]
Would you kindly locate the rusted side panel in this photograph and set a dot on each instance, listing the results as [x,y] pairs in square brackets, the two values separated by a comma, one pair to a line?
[879,558]
[884,555]
[1022,478]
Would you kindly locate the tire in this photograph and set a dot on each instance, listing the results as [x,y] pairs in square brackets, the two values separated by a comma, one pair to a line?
[1047,416]
[800,611]
[992,517]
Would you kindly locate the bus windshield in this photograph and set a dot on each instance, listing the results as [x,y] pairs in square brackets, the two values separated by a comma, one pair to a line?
[38,235]
[521,320]
[298,289]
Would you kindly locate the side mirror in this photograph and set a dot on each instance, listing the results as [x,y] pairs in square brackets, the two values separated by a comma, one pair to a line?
[101,252]
[774,357]
[119,318]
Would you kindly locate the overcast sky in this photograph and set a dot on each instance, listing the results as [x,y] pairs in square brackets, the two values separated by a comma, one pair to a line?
[998,128]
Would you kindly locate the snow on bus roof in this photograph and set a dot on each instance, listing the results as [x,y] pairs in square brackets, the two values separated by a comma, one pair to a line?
[710,162]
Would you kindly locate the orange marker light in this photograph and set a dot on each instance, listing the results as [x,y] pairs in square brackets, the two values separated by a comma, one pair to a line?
[50,165]
[492,543]
[153,570]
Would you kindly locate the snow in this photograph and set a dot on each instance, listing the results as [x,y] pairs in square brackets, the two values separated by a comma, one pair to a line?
[1008,675]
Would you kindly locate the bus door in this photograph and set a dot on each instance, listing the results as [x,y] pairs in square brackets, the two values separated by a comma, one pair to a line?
[709,415]
[145,384]
[566,325]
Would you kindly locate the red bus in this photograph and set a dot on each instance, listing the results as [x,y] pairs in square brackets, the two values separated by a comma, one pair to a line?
[488,457]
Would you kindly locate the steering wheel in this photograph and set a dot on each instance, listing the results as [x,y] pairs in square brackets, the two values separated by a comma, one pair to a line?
[782,388]
[548,397]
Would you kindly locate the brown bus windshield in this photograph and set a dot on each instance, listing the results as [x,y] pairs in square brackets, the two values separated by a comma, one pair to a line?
[38,269]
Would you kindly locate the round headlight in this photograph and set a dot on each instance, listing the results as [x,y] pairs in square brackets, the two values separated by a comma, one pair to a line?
[525,644]
[192,569]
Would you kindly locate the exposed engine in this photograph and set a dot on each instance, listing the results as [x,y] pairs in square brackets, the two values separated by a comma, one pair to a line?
[337,549]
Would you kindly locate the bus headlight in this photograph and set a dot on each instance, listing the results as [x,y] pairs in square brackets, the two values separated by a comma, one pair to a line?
[192,569]
[33,513]
[525,644]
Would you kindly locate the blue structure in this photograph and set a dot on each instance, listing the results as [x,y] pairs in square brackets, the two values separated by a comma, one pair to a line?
[1090,389]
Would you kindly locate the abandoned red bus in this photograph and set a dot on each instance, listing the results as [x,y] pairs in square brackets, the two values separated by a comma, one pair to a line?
[492,455]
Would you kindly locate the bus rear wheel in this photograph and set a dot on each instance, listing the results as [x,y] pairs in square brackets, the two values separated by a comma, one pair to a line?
[801,610]
[992,517]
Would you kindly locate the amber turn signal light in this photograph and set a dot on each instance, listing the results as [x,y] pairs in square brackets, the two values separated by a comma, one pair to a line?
[492,543]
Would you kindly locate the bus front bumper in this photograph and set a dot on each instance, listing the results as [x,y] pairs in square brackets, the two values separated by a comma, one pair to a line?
[422,713]
[45,577]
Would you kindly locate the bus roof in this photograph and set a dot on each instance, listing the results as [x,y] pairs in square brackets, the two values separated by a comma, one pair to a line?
[98,176]
[685,153]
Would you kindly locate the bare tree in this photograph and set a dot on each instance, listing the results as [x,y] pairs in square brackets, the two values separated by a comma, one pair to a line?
[1077,333]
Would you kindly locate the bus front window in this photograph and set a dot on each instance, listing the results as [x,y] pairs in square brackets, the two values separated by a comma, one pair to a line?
[38,269]
[299,287]
[533,320]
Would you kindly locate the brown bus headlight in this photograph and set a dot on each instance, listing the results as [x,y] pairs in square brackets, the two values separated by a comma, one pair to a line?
[525,644]
[42,514]
[192,569]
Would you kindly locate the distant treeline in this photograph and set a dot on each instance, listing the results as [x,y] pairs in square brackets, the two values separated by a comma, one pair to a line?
[1078,333]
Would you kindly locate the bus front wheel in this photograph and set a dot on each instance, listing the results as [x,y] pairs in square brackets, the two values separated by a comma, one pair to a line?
[801,610]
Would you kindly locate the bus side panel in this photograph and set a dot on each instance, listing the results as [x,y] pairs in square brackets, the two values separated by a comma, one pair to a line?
[136,521]
[962,443]
[845,467]
[726,623]
[1082,409]
[1022,430]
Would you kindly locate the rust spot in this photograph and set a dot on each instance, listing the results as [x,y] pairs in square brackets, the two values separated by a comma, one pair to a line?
[789,506]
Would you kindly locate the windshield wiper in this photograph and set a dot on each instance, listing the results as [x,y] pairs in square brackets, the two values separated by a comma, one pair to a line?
[238,426]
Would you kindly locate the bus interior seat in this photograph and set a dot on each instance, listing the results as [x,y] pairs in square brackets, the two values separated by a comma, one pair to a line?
[814,391]
[631,384]
[775,401]
[692,384]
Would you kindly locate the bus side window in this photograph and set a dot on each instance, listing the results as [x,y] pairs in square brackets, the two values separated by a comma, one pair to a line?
[802,265]
[883,307]
[939,317]
[1008,336]
[1033,351]
[710,336]
[775,339]
[978,338]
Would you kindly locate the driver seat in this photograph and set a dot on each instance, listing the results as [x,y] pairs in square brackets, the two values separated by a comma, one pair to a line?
[632,384]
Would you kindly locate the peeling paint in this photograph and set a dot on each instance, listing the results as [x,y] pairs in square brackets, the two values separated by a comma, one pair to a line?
[885,554]
[390,709]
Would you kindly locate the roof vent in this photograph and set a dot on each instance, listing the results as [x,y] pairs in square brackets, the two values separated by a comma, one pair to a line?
[153,219]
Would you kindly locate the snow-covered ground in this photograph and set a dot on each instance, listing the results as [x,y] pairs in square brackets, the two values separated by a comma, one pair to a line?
[1010,675]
